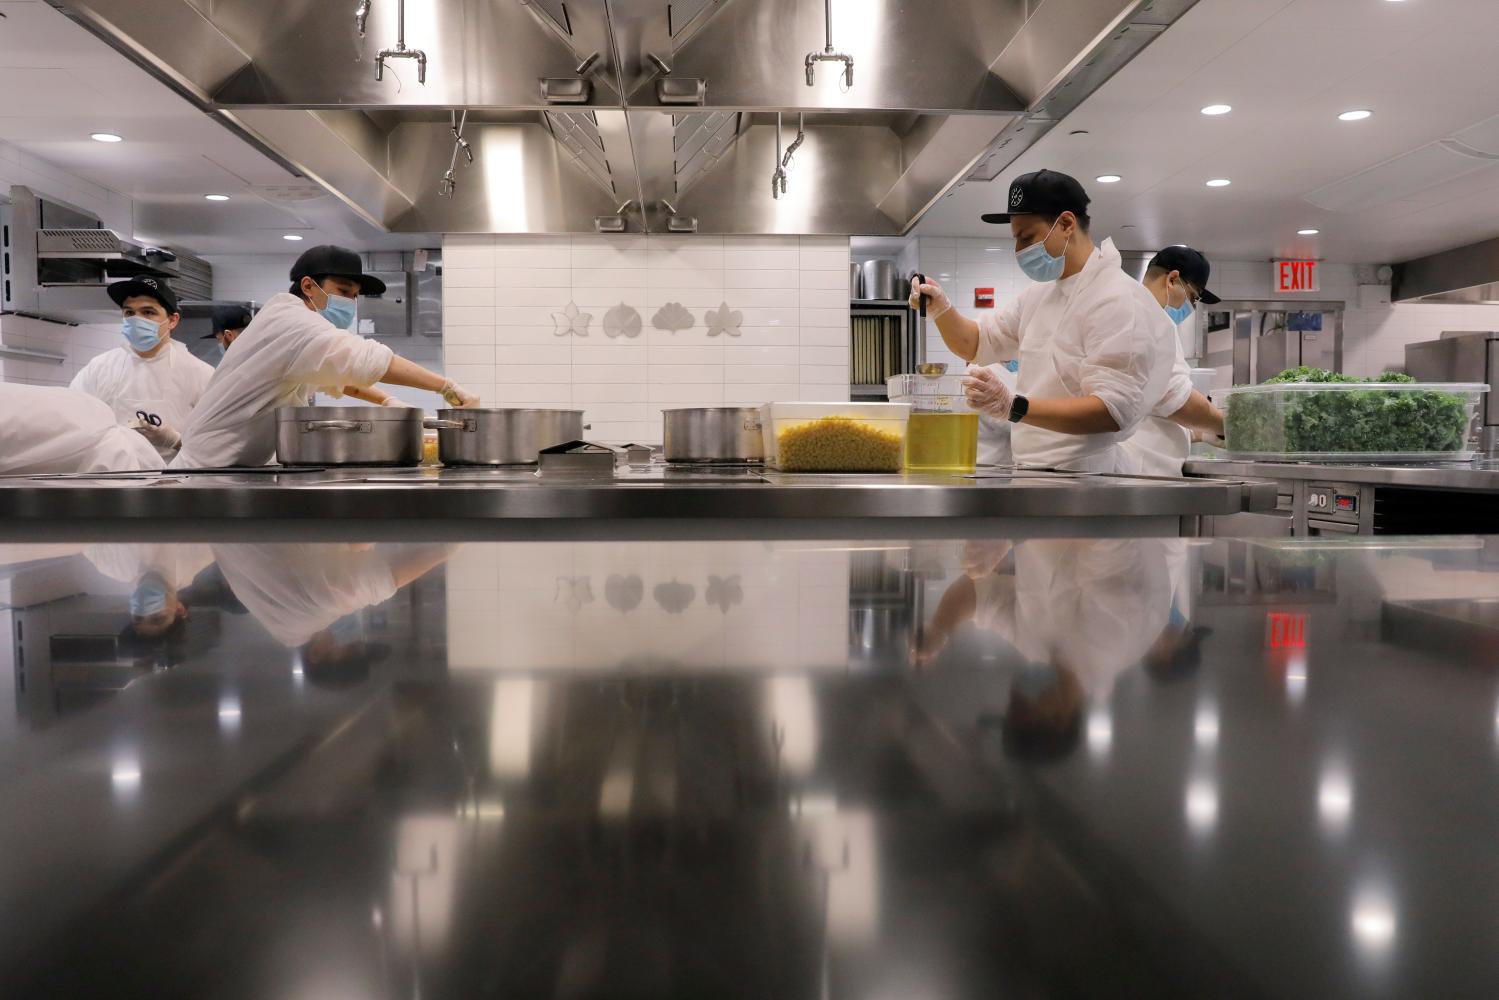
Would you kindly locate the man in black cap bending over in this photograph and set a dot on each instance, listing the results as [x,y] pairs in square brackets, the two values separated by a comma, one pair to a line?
[299,343]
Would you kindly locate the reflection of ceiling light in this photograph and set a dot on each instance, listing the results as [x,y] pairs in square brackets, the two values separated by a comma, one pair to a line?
[1307,232]
[1100,732]
[293,237]
[105,137]
[1108,178]
[1205,727]
[1335,800]
[1212,110]
[1357,115]
[125,775]
[1219,182]
[215,197]
[1202,806]
[1373,921]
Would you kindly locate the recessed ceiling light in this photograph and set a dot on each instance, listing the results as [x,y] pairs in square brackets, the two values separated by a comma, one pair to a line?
[1219,182]
[216,197]
[1307,232]
[291,236]
[1217,109]
[1078,131]
[1108,178]
[105,137]
[1356,115]
[1128,225]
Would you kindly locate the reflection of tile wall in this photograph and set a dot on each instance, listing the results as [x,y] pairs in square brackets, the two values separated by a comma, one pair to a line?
[503,295]
[548,606]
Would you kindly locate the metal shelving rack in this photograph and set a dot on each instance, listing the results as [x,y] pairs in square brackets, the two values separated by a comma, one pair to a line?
[891,344]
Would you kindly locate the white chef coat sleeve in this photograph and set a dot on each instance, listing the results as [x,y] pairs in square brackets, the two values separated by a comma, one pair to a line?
[328,358]
[999,334]
[1179,388]
[1118,354]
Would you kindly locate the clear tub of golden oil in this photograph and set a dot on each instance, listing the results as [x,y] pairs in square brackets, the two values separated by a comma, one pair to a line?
[943,435]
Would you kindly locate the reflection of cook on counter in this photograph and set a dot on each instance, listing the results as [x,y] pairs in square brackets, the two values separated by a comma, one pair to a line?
[156,573]
[310,595]
[1079,612]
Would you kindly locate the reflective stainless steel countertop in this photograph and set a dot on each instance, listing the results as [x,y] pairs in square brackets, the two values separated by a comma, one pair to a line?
[641,502]
[795,769]
[1481,475]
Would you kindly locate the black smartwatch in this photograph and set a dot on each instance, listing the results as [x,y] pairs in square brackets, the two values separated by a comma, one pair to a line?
[1018,409]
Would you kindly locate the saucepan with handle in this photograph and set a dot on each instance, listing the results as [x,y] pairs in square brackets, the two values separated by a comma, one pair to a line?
[492,436]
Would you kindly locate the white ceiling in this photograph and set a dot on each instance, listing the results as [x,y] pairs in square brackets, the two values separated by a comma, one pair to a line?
[58,83]
[1288,67]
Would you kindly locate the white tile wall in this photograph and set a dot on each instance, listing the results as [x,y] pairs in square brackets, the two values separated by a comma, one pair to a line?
[77,344]
[499,337]
[1374,339]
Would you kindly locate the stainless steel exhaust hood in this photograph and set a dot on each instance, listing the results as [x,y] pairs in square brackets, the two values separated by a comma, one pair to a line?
[1466,276]
[576,107]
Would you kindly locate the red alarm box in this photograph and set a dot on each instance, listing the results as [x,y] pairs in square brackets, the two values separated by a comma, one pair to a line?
[983,298]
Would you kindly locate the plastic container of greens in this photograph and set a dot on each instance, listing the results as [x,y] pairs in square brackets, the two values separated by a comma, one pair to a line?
[1350,421]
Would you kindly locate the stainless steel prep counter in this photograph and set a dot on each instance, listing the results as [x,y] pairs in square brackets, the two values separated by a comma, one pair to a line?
[655,502]
[1316,499]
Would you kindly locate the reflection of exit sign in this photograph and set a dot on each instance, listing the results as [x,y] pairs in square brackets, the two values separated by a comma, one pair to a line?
[1285,631]
[1296,276]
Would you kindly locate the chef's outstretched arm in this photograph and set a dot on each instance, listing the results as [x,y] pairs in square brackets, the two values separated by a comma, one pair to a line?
[987,393]
[409,373]
[1199,414]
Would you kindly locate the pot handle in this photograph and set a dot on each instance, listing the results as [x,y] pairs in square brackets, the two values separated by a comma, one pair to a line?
[433,424]
[355,426]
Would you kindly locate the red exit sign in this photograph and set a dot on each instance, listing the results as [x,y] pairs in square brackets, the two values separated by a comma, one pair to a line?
[1297,276]
[1285,631]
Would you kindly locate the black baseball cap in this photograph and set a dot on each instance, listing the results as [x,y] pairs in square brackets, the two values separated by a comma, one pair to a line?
[328,261]
[153,288]
[1044,192]
[228,318]
[1192,265]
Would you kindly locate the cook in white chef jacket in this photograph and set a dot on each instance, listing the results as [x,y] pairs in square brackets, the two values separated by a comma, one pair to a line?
[151,381]
[49,430]
[1090,340]
[299,343]
[310,596]
[1080,612]
[994,432]
[155,573]
[1177,277]
[229,321]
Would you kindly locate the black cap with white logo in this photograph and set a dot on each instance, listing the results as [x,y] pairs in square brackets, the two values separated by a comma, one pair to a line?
[328,261]
[1192,266]
[154,288]
[1045,192]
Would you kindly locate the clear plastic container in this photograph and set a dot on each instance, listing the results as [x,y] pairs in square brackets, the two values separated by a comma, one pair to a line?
[835,437]
[1351,421]
[943,434]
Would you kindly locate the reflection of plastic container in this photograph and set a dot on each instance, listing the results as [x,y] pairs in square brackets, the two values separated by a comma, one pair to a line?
[1351,421]
[943,433]
[835,437]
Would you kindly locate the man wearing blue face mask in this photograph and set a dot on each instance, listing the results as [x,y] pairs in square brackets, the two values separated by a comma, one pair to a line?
[1178,279]
[301,342]
[1087,336]
[151,382]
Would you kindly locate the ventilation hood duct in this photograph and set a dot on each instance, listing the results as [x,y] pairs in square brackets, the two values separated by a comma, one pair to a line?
[577,107]
[1466,276]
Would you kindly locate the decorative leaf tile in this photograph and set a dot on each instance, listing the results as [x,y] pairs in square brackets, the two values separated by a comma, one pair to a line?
[622,321]
[672,317]
[723,321]
[571,321]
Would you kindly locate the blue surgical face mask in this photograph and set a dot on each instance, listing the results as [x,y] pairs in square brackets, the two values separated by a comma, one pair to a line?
[142,333]
[339,311]
[1034,679]
[149,596]
[349,628]
[1180,313]
[1012,367]
[1038,264]
[218,352]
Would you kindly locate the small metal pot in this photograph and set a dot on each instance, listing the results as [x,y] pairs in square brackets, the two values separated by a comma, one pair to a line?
[728,435]
[880,279]
[348,435]
[502,436]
